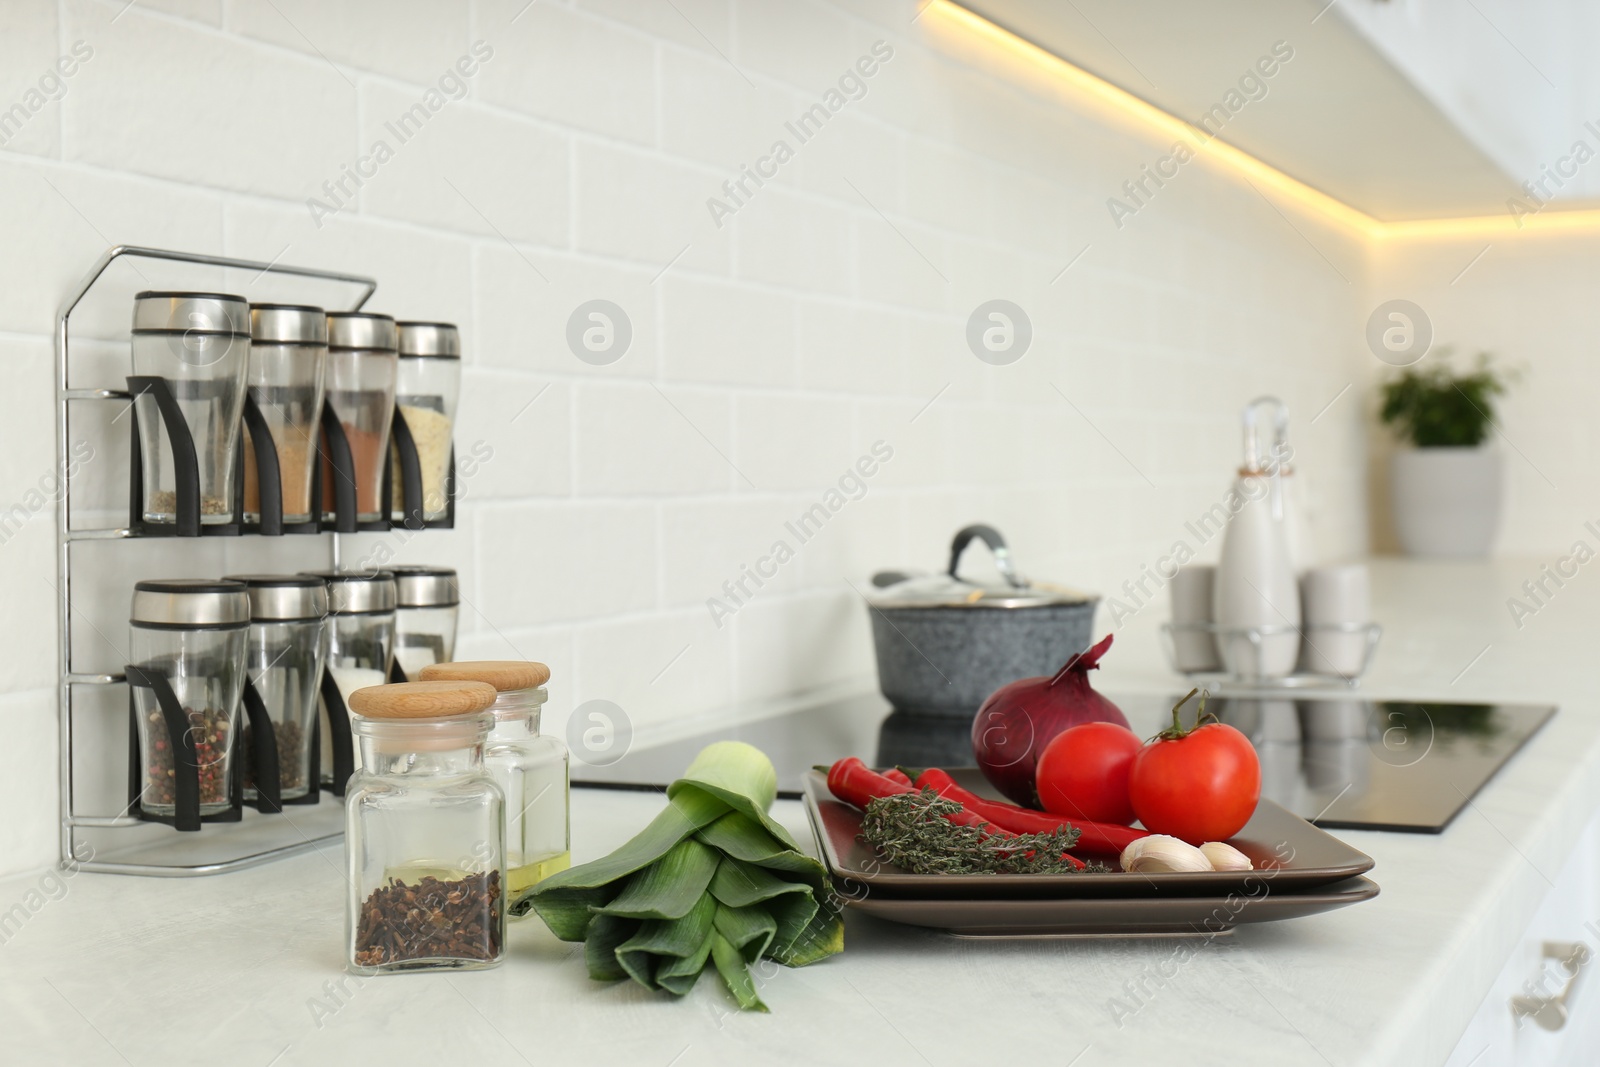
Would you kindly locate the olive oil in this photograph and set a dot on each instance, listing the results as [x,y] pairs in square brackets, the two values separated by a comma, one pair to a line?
[526,875]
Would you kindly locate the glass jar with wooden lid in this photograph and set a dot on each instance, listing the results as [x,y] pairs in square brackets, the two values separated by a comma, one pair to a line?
[531,768]
[424,831]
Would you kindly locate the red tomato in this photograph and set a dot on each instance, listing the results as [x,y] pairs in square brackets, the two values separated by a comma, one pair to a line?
[1199,785]
[1083,772]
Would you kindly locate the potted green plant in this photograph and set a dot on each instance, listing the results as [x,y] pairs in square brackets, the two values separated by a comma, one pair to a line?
[1446,489]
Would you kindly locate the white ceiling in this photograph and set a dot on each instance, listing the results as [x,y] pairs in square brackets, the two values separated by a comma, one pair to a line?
[1337,116]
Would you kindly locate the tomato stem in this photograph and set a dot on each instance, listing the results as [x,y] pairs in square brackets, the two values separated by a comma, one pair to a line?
[1176,731]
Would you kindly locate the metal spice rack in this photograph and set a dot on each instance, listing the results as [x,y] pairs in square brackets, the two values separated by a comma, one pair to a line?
[265,837]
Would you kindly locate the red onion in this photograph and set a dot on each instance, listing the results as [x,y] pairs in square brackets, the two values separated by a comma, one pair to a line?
[1019,719]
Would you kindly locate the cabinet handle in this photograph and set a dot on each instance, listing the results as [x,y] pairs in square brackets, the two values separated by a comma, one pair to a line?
[1551,1012]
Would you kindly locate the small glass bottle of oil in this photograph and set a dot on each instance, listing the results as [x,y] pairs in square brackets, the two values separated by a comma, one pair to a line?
[529,767]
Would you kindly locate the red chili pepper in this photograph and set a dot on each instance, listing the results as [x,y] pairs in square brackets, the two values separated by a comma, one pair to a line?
[895,774]
[1101,839]
[853,782]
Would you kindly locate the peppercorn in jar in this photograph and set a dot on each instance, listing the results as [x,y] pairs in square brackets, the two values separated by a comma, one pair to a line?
[424,832]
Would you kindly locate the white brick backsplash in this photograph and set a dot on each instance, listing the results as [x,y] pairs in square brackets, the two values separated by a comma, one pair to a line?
[644,439]
[807,44]
[706,544]
[655,672]
[31,86]
[556,563]
[642,208]
[565,66]
[850,349]
[461,168]
[527,421]
[720,332]
[796,242]
[788,442]
[712,114]
[801,643]
[421,275]
[188,104]
[416,40]
[525,300]
[30,841]
[208,11]
[84,214]
[704,25]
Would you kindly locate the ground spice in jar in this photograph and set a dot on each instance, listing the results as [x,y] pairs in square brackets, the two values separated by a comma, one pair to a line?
[165,502]
[294,474]
[209,728]
[433,919]
[366,452]
[291,768]
[430,430]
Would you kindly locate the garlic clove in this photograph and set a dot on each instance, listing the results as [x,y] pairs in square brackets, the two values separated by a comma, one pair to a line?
[1159,853]
[1224,857]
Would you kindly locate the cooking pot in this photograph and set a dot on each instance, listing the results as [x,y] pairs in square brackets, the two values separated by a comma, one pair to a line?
[945,643]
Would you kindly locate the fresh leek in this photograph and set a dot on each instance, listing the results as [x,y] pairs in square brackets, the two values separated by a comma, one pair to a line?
[712,879]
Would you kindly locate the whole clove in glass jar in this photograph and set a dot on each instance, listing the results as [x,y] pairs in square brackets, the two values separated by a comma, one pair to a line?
[429,387]
[199,343]
[288,616]
[529,767]
[192,634]
[360,390]
[424,832]
[360,635]
[288,354]
[427,605]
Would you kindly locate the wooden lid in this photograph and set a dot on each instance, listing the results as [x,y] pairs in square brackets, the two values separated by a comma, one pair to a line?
[506,675]
[422,700]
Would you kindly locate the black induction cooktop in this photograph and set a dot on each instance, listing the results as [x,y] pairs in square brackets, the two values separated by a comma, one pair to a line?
[1343,762]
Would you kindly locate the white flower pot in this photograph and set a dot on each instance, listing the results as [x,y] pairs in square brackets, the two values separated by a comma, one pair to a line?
[1446,501]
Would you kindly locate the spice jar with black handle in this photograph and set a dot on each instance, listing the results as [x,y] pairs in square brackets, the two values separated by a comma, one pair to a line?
[286,652]
[360,384]
[187,640]
[427,605]
[424,832]
[191,353]
[360,651]
[425,397]
[288,357]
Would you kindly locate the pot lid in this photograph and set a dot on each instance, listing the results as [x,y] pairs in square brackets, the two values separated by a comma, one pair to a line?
[950,590]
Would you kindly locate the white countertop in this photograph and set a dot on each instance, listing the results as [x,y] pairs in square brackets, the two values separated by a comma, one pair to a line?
[246,969]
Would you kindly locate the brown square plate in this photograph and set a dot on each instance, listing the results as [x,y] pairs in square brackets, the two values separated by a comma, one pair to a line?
[1289,853]
[1163,916]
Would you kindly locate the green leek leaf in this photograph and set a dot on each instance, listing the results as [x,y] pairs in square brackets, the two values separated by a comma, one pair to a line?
[712,877]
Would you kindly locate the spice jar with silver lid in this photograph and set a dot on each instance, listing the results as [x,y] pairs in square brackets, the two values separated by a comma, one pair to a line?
[427,607]
[288,356]
[429,388]
[187,640]
[424,832]
[288,617]
[361,375]
[360,635]
[531,769]
[199,345]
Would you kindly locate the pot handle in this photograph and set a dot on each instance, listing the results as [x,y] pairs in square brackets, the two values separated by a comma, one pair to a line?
[997,545]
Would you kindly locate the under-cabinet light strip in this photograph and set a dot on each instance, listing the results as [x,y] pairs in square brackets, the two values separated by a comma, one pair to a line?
[964,26]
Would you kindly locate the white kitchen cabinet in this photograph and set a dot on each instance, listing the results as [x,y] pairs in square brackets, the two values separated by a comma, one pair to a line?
[1569,914]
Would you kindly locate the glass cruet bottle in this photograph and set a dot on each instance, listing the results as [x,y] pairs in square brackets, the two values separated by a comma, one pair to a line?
[531,768]
[424,832]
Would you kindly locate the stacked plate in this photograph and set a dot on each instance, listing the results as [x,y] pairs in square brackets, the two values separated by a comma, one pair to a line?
[1300,870]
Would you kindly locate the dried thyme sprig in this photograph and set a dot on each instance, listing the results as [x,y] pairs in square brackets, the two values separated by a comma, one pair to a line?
[910,831]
